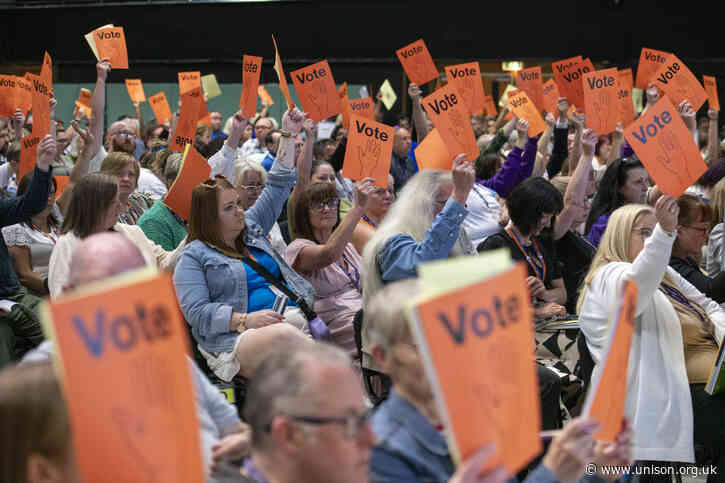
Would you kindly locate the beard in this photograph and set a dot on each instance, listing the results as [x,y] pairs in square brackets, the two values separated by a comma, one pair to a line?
[127,145]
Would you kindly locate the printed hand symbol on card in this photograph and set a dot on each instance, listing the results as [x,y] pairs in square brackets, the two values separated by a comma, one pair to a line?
[468,91]
[670,148]
[318,97]
[368,154]
[458,122]
[600,116]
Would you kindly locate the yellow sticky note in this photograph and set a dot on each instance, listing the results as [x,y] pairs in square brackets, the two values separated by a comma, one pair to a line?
[389,97]
[210,86]
[453,273]
[91,42]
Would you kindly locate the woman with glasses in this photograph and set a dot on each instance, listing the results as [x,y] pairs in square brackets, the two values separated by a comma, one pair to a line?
[126,170]
[677,331]
[625,181]
[229,278]
[692,234]
[324,255]
[377,207]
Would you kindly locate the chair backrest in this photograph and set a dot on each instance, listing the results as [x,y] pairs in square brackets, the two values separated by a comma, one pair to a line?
[377,384]
[585,366]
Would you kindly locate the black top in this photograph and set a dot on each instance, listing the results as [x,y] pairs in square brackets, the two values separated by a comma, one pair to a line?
[713,287]
[502,239]
[575,255]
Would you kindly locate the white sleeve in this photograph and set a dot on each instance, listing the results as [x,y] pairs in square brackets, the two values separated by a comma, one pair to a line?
[222,162]
[59,266]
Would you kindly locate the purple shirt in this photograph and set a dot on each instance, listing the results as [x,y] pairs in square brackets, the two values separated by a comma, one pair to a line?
[597,230]
[518,166]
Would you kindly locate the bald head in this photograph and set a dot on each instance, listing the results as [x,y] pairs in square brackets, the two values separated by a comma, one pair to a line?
[101,256]
[122,136]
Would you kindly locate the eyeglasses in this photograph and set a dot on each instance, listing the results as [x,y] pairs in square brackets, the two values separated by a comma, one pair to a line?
[125,134]
[643,233]
[321,205]
[352,423]
[252,188]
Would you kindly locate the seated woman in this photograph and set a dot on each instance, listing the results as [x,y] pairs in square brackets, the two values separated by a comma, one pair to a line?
[692,232]
[375,210]
[223,278]
[410,444]
[677,330]
[531,206]
[94,208]
[126,170]
[36,438]
[624,181]
[250,180]
[713,258]
[323,254]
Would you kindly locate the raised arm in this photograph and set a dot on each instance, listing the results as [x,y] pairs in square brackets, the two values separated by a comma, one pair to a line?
[502,135]
[304,161]
[688,115]
[98,105]
[578,120]
[139,116]
[508,176]
[378,110]
[617,143]
[421,126]
[713,141]
[316,257]
[222,162]
[80,169]
[561,132]
[574,198]
[18,123]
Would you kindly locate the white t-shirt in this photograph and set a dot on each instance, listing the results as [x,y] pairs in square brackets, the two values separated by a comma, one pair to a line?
[150,185]
[484,211]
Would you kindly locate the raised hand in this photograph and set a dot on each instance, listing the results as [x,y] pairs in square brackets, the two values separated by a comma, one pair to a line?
[18,120]
[364,190]
[102,68]
[413,91]
[522,128]
[666,211]
[464,175]
[652,94]
[688,114]
[292,121]
[550,120]
[589,143]
[470,470]
[571,450]
[309,127]
[619,453]
[562,106]
[46,152]
[85,134]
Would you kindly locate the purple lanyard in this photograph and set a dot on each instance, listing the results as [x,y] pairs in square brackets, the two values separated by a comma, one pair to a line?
[354,277]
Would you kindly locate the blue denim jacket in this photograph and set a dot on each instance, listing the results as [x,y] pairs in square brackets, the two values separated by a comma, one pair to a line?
[410,449]
[210,285]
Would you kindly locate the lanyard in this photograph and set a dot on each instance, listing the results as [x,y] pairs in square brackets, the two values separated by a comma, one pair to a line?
[369,221]
[538,265]
[479,194]
[52,236]
[354,276]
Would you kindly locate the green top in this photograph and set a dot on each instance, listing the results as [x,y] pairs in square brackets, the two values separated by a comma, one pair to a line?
[161,226]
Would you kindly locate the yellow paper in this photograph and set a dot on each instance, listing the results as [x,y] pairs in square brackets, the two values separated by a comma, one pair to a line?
[505,96]
[91,42]
[210,86]
[389,97]
[451,274]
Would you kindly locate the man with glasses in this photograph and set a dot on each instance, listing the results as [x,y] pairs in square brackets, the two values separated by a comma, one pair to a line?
[257,145]
[308,416]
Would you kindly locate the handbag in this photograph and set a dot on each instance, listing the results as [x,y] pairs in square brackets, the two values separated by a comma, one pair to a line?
[318,328]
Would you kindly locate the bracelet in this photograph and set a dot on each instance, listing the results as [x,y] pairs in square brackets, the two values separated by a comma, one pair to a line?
[285,134]
[243,323]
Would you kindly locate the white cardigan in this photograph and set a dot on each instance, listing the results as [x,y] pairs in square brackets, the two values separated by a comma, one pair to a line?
[658,402]
[60,259]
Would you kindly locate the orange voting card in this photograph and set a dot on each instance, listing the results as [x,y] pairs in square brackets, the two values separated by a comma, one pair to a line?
[650,61]
[189,81]
[624,97]
[111,44]
[431,153]
[530,81]
[711,88]
[679,83]
[316,88]
[487,326]
[280,76]
[204,116]
[450,116]
[568,76]
[489,106]
[160,106]
[363,107]
[550,97]
[608,391]
[9,94]
[264,96]
[42,93]
[28,154]
[251,70]
[46,72]
[368,151]
[664,144]
[24,99]
[561,68]
[194,170]
[344,105]
[135,90]
[189,116]
[60,182]
[417,62]
[523,108]
[600,100]
[124,360]
[83,102]
[466,78]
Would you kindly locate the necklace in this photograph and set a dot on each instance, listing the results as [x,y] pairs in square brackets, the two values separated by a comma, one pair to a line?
[538,265]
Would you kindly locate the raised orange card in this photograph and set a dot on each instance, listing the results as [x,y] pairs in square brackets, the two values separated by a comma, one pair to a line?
[8,95]
[111,44]
[711,88]
[194,170]
[608,391]
[317,91]
[189,81]
[280,76]
[530,81]
[467,80]
[450,116]
[42,93]
[61,182]
[251,70]
[679,83]
[24,94]
[523,108]
[666,147]
[624,97]
[264,95]
[600,100]
[432,153]
[363,107]
[188,118]
[489,106]
[344,105]
[487,326]
[46,71]
[28,154]
[83,102]
[135,90]
[125,361]
[417,62]
[550,97]
[369,150]
[650,61]
[561,68]
[160,106]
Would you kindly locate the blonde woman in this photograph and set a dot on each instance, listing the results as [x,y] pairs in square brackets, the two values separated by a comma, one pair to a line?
[713,256]
[676,335]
